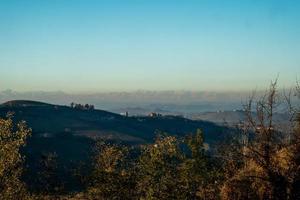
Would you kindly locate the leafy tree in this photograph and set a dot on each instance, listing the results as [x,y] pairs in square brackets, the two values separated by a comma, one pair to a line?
[197,174]
[158,173]
[110,178]
[177,169]
[12,139]
[168,169]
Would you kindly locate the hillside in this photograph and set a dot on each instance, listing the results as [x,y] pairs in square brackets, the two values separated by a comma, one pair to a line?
[49,120]
[235,117]
[23,103]
[69,132]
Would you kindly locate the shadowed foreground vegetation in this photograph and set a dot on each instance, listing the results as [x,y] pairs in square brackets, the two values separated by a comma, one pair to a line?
[262,161]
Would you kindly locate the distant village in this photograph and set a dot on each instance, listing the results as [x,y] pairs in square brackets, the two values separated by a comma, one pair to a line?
[151,115]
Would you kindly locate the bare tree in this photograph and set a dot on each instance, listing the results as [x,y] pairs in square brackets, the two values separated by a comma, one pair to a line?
[270,161]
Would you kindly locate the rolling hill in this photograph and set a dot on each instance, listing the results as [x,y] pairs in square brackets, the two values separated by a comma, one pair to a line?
[71,132]
[47,120]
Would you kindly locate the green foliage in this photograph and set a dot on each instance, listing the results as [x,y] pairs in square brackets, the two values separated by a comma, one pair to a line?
[167,169]
[12,138]
[157,166]
[197,174]
[110,178]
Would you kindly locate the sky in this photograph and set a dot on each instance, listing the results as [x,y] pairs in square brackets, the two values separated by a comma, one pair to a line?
[91,46]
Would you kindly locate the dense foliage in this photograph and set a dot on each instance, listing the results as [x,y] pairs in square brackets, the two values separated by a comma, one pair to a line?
[12,138]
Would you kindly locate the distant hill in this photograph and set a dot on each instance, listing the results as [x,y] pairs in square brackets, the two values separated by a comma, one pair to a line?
[171,101]
[49,120]
[234,117]
[23,103]
[70,132]
[230,117]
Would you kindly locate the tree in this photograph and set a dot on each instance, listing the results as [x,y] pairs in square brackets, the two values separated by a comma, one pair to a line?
[197,174]
[12,139]
[86,106]
[111,177]
[294,165]
[269,168]
[157,167]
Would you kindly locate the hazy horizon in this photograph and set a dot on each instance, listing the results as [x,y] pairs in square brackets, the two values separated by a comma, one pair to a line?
[172,102]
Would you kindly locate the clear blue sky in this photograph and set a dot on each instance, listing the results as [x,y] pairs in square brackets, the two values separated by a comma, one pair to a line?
[91,46]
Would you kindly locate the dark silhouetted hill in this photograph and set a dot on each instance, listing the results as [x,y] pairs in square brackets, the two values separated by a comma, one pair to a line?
[71,132]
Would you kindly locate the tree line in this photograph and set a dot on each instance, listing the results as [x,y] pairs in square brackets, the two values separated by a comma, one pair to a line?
[82,106]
